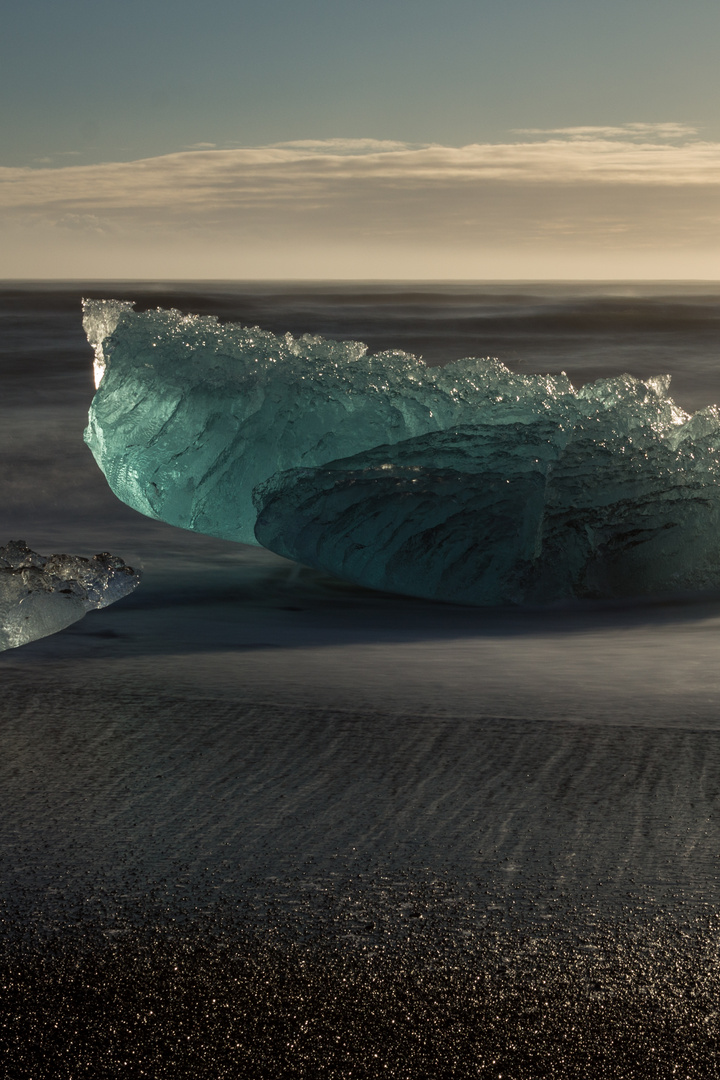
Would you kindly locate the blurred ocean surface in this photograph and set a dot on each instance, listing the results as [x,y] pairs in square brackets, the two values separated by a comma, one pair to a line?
[262,733]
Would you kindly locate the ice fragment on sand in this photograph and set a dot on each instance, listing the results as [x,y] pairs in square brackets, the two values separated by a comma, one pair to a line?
[466,483]
[40,595]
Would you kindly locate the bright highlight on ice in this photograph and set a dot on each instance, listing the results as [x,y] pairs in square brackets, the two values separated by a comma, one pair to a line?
[465,483]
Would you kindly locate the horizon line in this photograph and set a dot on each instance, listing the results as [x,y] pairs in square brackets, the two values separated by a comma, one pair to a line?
[338,279]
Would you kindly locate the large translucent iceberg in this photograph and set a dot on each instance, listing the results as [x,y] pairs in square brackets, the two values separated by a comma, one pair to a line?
[40,595]
[465,482]
[191,415]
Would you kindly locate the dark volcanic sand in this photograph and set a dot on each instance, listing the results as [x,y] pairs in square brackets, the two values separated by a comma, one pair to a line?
[207,888]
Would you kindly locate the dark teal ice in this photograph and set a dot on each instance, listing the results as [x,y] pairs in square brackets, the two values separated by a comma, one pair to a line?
[466,483]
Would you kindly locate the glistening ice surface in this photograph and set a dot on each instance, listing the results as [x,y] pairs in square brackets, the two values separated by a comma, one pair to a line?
[466,482]
[40,595]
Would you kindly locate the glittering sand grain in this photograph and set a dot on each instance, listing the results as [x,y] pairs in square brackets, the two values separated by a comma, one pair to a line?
[201,887]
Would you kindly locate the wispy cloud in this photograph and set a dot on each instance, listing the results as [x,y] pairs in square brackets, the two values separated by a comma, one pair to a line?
[348,146]
[603,187]
[89,223]
[204,181]
[621,131]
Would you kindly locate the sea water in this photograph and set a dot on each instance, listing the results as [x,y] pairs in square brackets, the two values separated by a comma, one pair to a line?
[413,798]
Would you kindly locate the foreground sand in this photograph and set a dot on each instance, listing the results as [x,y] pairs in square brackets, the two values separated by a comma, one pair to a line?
[276,827]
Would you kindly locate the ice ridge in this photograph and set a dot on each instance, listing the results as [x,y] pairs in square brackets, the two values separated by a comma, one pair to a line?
[467,482]
[40,595]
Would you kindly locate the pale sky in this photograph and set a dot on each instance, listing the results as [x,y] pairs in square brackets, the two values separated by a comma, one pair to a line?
[400,139]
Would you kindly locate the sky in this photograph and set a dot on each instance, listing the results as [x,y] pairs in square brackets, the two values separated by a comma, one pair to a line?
[462,139]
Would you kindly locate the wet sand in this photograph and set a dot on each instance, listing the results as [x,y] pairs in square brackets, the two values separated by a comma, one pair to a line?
[279,826]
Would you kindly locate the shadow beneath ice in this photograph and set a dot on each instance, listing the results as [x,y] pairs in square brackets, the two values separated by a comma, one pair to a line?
[257,600]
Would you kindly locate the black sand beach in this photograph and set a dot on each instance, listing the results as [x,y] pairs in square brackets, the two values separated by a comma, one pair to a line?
[207,886]
[257,822]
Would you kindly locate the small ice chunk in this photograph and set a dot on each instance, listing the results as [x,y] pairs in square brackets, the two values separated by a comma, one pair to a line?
[40,594]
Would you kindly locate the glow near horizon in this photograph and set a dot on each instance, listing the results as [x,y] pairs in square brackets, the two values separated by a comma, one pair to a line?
[399,140]
[572,205]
